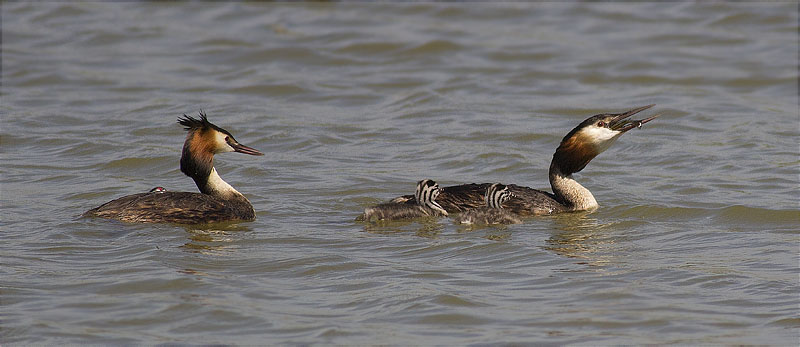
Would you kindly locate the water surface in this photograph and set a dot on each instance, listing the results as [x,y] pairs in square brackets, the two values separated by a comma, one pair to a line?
[695,242]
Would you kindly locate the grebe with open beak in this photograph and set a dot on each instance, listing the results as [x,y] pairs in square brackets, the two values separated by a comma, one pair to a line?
[590,138]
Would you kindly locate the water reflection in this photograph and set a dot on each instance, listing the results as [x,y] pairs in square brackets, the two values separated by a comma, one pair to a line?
[188,271]
[498,233]
[429,227]
[583,237]
[212,239]
[494,232]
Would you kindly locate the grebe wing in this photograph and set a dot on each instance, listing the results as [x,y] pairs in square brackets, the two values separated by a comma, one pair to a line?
[532,202]
[463,197]
[171,207]
[113,207]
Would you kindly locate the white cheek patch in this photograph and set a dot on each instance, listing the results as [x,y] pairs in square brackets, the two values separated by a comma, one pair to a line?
[597,134]
[221,146]
[600,137]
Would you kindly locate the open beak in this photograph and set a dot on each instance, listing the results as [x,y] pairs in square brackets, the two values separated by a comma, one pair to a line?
[621,124]
[238,147]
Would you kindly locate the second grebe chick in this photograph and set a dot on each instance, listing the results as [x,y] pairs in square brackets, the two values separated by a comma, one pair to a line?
[423,204]
[493,212]
[217,201]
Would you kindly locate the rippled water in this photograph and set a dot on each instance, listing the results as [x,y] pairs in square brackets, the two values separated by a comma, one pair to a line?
[696,240]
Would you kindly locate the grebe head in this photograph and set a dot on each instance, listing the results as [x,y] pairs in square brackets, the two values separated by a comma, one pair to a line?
[497,194]
[426,193]
[593,136]
[158,190]
[203,141]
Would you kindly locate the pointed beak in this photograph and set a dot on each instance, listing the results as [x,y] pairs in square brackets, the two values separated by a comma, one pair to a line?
[621,124]
[238,147]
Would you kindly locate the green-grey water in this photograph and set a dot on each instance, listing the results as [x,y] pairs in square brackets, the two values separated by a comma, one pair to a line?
[696,240]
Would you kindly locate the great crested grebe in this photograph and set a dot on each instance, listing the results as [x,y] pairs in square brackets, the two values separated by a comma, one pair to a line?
[493,212]
[217,200]
[422,204]
[590,138]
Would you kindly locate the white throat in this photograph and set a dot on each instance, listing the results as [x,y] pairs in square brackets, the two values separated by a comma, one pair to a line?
[217,186]
[571,192]
[602,138]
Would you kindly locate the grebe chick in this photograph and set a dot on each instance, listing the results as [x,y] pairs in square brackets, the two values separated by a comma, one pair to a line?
[590,138]
[217,200]
[422,204]
[493,212]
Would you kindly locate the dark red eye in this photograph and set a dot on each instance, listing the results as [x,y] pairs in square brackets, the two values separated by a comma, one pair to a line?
[601,124]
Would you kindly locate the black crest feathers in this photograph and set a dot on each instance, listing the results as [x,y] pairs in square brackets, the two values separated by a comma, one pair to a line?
[191,123]
[202,124]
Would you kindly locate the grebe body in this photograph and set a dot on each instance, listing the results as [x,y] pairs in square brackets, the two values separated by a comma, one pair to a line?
[590,138]
[217,201]
[421,204]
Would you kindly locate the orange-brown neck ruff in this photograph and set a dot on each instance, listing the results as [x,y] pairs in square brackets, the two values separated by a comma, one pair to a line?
[574,152]
[197,159]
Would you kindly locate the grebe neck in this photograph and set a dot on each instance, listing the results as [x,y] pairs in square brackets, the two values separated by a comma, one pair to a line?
[215,186]
[569,192]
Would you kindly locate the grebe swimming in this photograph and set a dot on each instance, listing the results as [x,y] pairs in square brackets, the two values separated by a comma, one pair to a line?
[493,212]
[422,204]
[590,138]
[217,200]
